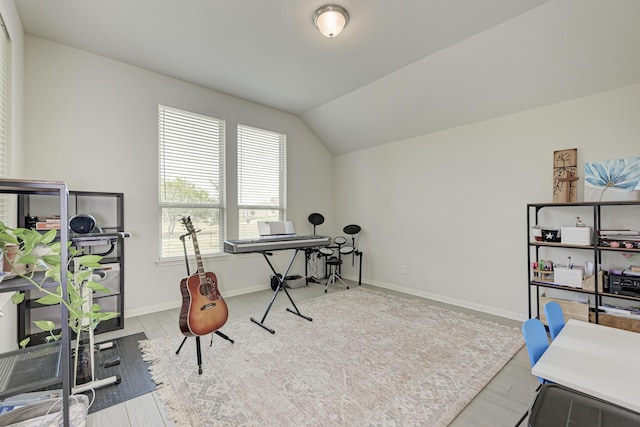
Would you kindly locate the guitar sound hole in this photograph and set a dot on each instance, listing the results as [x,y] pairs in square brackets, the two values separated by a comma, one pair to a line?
[205,288]
[208,306]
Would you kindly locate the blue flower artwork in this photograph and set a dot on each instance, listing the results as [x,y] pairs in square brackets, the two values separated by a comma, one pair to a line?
[612,180]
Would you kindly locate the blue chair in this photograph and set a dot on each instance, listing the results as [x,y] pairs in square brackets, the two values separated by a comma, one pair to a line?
[555,318]
[536,339]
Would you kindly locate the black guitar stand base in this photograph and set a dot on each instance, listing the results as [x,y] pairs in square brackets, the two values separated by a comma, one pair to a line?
[220,334]
[280,287]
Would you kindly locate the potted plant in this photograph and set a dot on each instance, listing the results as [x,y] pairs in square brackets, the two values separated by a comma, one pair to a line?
[35,257]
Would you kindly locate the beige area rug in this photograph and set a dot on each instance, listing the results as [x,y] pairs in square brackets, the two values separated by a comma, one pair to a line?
[366,359]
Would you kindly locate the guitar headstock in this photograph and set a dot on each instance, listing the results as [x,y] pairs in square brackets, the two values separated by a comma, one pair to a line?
[186,221]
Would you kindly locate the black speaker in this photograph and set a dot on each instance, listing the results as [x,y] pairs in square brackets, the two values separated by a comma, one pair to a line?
[82,223]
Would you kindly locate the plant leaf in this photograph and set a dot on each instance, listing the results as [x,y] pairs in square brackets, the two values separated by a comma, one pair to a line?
[49,236]
[24,342]
[89,261]
[97,287]
[107,315]
[49,300]
[27,259]
[17,298]
[8,238]
[52,260]
[45,325]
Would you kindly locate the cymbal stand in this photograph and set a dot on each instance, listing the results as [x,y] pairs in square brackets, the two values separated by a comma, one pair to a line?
[220,334]
[356,253]
[281,278]
[315,219]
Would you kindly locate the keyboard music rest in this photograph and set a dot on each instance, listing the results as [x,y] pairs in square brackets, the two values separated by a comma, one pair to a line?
[274,244]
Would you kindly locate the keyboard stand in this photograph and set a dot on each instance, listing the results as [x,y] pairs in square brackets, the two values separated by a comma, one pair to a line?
[281,279]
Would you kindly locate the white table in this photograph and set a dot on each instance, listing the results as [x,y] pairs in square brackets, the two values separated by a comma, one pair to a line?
[597,360]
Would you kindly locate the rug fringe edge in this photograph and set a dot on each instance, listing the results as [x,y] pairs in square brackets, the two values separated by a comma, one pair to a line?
[171,405]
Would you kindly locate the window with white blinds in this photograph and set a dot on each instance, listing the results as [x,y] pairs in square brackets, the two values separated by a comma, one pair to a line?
[5,109]
[261,178]
[191,181]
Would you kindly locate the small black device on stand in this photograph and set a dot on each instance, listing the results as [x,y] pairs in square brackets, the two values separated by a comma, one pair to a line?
[315,219]
[352,230]
[220,334]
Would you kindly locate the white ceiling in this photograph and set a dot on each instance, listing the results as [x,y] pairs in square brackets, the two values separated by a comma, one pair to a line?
[399,69]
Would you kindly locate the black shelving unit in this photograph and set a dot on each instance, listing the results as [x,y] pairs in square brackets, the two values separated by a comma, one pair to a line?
[596,216]
[60,351]
[108,210]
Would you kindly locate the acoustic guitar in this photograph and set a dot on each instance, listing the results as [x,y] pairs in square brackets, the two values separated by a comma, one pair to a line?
[203,309]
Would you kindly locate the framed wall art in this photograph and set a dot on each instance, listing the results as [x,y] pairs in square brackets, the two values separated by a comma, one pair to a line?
[612,180]
[565,175]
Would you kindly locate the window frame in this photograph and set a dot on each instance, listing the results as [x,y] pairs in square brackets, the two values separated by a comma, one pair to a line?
[5,112]
[218,181]
[247,135]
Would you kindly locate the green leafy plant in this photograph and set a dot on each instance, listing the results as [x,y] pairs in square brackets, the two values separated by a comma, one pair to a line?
[38,261]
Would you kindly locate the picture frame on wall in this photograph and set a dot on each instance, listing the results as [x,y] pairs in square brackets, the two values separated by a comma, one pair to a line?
[612,180]
[565,175]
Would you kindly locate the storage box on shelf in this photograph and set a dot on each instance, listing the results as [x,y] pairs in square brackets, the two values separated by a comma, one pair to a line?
[576,235]
[568,277]
[589,283]
[630,324]
[571,309]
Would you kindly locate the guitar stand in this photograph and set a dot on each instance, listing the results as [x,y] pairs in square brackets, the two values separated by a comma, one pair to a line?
[281,279]
[358,254]
[220,334]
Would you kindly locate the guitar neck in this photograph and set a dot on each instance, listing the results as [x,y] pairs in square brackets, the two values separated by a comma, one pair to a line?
[196,249]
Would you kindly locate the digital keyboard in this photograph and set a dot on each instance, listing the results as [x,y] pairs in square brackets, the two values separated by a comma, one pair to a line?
[274,243]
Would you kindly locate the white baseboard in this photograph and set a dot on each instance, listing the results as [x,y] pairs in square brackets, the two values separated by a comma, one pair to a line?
[447,300]
[150,309]
[440,298]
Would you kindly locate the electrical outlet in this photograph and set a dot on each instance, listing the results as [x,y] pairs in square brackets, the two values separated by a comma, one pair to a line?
[403,269]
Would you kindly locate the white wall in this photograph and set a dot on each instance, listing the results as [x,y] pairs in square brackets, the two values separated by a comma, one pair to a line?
[451,206]
[15,164]
[92,122]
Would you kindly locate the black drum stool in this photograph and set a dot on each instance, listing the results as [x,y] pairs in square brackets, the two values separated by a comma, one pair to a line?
[333,264]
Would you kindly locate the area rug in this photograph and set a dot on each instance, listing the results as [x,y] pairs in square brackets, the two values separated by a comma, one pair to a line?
[367,358]
[133,372]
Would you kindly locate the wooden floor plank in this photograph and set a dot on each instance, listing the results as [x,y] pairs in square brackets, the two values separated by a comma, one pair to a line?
[110,417]
[144,411]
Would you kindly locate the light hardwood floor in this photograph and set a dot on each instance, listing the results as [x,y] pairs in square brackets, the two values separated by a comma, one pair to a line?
[501,403]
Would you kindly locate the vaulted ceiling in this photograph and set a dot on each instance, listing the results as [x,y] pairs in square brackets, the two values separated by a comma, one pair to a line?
[399,69]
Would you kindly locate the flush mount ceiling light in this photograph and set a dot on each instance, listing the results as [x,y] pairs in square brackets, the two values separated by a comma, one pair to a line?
[330,19]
